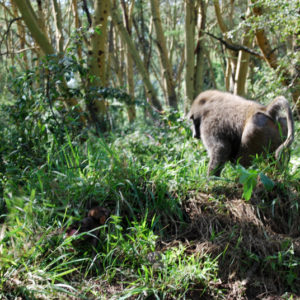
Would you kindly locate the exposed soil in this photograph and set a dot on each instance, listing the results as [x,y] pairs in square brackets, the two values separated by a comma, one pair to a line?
[248,236]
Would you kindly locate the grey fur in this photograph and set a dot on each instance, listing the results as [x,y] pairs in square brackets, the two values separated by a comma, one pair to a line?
[234,129]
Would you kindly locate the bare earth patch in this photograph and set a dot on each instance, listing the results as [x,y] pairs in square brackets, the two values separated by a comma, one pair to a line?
[251,238]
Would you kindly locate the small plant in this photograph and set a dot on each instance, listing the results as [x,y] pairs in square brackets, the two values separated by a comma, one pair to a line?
[248,178]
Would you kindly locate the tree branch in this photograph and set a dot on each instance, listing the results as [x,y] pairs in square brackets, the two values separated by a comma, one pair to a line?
[234,47]
[8,28]
[18,51]
[86,10]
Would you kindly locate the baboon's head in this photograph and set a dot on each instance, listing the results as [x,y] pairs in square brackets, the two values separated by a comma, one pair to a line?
[196,126]
[96,217]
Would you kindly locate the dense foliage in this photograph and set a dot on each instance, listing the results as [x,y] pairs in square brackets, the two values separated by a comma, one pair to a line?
[152,178]
[172,233]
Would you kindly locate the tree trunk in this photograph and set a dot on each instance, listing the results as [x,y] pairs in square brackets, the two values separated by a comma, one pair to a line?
[41,17]
[180,68]
[231,58]
[271,59]
[21,32]
[127,16]
[77,26]
[189,53]
[242,69]
[117,55]
[211,69]
[242,65]
[97,55]
[41,39]
[200,51]
[163,55]
[58,26]
[136,57]
[263,42]
[33,25]
[98,43]
[142,31]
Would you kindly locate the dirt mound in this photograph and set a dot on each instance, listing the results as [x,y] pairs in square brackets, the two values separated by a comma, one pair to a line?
[256,241]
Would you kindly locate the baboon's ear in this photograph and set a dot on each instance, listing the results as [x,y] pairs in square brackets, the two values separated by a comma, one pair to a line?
[94,213]
[99,214]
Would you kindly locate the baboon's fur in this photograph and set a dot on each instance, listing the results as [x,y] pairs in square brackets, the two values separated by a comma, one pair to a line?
[233,128]
[96,217]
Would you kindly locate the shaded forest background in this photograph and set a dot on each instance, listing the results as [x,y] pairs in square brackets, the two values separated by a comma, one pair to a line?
[94,96]
[162,52]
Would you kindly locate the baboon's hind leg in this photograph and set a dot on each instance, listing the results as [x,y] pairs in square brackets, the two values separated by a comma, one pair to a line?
[220,153]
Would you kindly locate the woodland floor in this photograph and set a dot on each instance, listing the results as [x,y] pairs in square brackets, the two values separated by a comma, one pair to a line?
[242,228]
[247,236]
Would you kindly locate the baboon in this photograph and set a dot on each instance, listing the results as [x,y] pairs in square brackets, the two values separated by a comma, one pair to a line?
[235,129]
[96,217]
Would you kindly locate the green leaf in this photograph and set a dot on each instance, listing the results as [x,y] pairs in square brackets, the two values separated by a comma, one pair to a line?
[249,179]
[266,181]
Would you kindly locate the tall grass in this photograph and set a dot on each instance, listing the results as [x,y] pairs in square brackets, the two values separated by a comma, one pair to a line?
[143,176]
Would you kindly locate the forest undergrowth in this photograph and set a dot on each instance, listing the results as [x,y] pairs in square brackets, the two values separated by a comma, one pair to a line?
[172,233]
[103,190]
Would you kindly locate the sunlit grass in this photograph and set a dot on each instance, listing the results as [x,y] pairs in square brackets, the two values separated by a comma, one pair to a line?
[144,177]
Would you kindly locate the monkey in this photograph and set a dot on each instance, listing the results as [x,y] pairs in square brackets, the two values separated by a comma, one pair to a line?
[235,129]
[96,217]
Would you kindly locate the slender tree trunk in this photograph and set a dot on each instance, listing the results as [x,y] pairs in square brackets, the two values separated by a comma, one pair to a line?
[145,44]
[41,17]
[33,25]
[228,74]
[242,65]
[200,51]
[263,42]
[211,69]
[77,26]
[242,69]
[189,53]
[140,66]
[98,49]
[97,55]
[21,32]
[142,30]
[8,42]
[58,26]
[271,58]
[232,56]
[163,55]
[180,69]
[117,54]
[127,16]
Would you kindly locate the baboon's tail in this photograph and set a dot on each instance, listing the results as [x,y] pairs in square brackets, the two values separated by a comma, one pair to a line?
[273,109]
